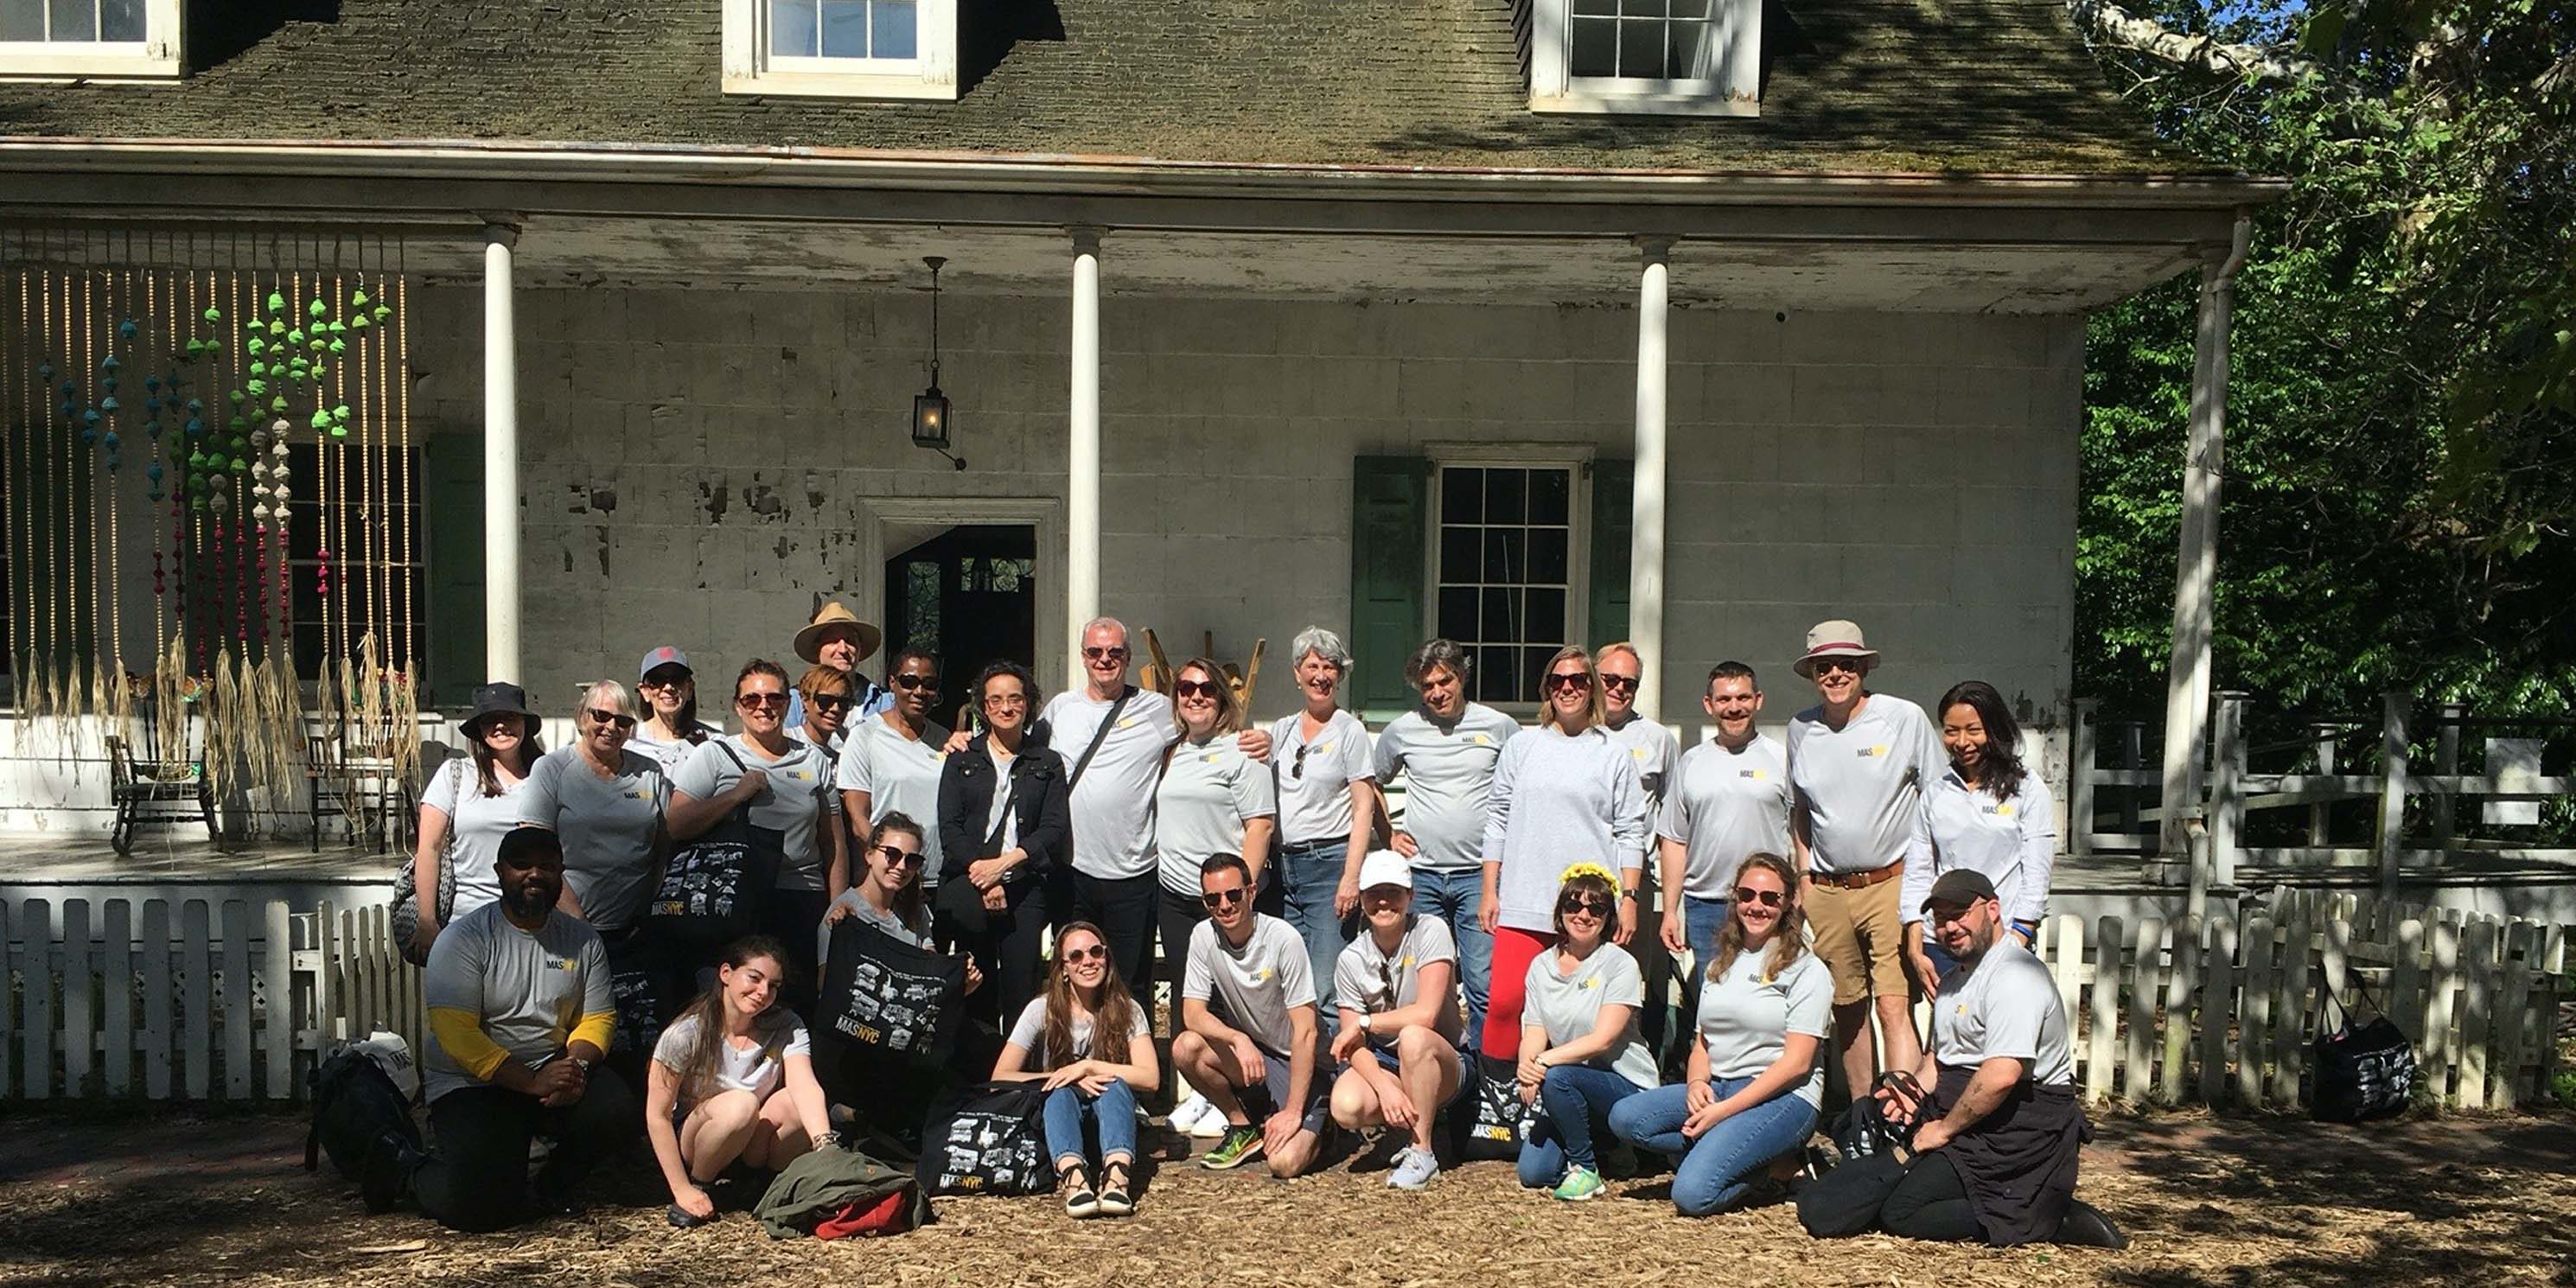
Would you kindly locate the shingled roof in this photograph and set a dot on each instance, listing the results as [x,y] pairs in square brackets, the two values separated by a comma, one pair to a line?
[1913,86]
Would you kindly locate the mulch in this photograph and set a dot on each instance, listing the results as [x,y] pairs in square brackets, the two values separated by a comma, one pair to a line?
[2208,1201]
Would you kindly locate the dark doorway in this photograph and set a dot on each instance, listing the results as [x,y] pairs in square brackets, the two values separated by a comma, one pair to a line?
[969,596]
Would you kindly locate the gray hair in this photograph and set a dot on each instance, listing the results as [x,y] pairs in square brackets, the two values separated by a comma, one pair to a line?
[1323,643]
[1446,655]
[607,695]
[1098,623]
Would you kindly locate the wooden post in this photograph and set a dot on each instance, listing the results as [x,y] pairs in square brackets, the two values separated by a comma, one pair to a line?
[2069,970]
[36,1034]
[196,998]
[2321,813]
[2254,1017]
[2133,753]
[2226,810]
[2392,790]
[2442,1007]
[2181,974]
[326,984]
[237,1007]
[2138,1053]
[2103,1012]
[116,996]
[2444,805]
[80,1043]
[7,1084]
[2289,1014]
[2513,1014]
[2196,843]
[2406,986]
[277,1032]
[2477,1012]
[2217,1003]
[156,999]
[2083,742]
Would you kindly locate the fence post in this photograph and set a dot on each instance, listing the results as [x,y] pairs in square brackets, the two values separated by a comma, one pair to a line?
[2138,1058]
[2226,787]
[156,998]
[2442,1006]
[36,1029]
[277,1031]
[2321,814]
[116,995]
[7,1086]
[79,1043]
[2289,1017]
[2254,1015]
[2444,805]
[2392,790]
[2133,753]
[196,998]
[2084,740]
[2103,1013]
[2217,1001]
[2513,1012]
[2477,1012]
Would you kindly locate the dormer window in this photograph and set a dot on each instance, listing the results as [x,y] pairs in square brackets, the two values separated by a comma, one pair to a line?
[840,48]
[1689,57]
[89,39]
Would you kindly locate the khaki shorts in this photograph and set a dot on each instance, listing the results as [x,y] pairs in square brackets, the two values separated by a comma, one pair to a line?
[1860,936]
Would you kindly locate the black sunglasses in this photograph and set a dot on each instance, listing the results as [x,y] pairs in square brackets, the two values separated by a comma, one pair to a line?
[1220,898]
[1767,898]
[1298,770]
[908,682]
[1195,689]
[896,856]
[1851,664]
[828,703]
[1574,903]
[1619,683]
[610,718]
[1095,953]
[1568,680]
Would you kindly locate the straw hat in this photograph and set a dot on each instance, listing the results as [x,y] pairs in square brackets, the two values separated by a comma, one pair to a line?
[809,641]
[1834,639]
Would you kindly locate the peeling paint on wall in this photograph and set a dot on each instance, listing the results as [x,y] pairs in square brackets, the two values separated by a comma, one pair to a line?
[602,532]
[763,501]
[604,500]
[713,498]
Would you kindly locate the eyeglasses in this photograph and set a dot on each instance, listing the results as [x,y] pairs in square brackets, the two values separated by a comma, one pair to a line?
[1196,689]
[1619,683]
[664,682]
[1563,680]
[1851,664]
[1095,953]
[1767,898]
[1095,653]
[828,703]
[761,701]
[1005,701]
[897,857]
[908,683]
[1574,903]
[1221,898]
[618,719]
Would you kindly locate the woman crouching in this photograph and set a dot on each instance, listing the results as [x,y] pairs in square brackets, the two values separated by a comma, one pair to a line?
[732,1079]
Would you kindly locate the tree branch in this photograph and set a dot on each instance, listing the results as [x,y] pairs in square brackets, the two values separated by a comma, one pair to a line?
[2112,25]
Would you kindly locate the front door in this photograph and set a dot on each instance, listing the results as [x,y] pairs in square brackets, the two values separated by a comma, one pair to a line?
[969,597]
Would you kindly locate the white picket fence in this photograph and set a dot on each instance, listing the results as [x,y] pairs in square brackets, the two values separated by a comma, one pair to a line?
[190,999]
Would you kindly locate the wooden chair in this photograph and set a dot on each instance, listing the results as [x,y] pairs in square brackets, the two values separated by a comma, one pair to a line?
[350,772]
[145,789]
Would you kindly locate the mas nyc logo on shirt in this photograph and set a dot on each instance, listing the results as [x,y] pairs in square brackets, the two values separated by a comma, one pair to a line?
[2000,811]
[1755,774]
[1872,753]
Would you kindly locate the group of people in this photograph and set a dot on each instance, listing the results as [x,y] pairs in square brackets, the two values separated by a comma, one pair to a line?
[1337,963]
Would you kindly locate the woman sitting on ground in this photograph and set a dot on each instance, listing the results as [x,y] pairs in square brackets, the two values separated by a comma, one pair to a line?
[1754,1083]
[1093,1047]
[732,1079]
[1580,1052]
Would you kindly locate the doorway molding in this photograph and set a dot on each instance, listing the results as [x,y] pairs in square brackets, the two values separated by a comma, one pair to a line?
[1045,513]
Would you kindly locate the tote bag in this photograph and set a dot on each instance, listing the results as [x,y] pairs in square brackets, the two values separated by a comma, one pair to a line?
[887,997]
[712,887]
[986,1138]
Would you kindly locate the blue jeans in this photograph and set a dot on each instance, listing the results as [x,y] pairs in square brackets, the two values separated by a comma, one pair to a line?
[1709,1174]
[1110,1116]
[1457,898]
[1309,875]
[1701,920]
[1574,1100]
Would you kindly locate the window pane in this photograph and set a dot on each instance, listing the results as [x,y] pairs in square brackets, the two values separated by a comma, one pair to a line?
[1596,6]
[1458,613]
[1547,496]
[791,29]
[120,20]
[1690,8]
[1641,8]
[895,24]
[1462,496]
[1506,496]
[22,19]
[1546,615]
[1691,57]
[845,28]
[1461,555]
[1547,556]
[1506,555]
[1502,616]
[1534,663]
[74,20]
[1595,47]
[1641,49]
[1498,675]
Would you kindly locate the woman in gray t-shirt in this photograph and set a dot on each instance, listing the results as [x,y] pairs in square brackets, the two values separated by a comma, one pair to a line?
[1580,1054]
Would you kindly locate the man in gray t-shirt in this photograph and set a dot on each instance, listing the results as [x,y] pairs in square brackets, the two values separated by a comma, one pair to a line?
[1446,749]
[1248,1027]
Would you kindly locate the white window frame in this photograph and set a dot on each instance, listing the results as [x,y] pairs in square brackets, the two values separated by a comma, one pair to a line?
[156,57]
[1576,460]
[1736,33]
[749,67]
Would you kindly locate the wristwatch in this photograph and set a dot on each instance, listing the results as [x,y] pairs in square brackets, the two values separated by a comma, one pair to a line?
[1364,1022]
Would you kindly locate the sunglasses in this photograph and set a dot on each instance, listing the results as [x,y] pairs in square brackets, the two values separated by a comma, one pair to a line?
[1298,770]
[828,703]
[1619,683]
[761,701]
[1095,653]
[1823,664]
[1222,898]
[618,719]
[1196,689]
[662,682]
[1095,953]
[898,857]
[1574,903]
[1562,681]
[1767,898]
[909,683]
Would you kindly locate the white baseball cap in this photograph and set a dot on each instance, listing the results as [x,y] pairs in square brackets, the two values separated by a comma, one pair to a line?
[1386,867]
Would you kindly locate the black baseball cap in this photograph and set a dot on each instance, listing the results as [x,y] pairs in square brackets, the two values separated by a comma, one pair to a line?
[1960,886]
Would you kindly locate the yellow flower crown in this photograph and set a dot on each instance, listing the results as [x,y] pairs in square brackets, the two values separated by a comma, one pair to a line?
[1589,869]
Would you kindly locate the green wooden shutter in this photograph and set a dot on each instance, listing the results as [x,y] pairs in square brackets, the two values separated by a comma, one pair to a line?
[1614,485]
[1390,504]
[451,503]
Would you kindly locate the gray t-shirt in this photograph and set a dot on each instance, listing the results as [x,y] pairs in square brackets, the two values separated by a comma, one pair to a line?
[526,993]
[1210,790]
[607,826]
[1724,805]
[1314,776]
[1862,784]
[1654,751]
[916,933]
[671,754]
[1746,1017]
[1568,1005]
[2012,841]
[777,1037]
[1448,773]
[798,797]
[1253,987]
[2006,1005]
[1366,980]
[1558,801]
[1112,807]
[898,773]
[1028,1033]
[475,825]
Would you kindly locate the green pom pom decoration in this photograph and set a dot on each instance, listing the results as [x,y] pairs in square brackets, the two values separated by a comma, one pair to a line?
[276,328]
[321,420]
[339,431]
[318,308]
[360,323]
[276,302]
[361,299]
[295,336]
[214,314]
[341,413]
[383,311]
[278,403]
[339,346]
[256,387]
[237,396]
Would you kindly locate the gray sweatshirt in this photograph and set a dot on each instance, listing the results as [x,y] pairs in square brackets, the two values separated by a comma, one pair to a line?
[1558,801]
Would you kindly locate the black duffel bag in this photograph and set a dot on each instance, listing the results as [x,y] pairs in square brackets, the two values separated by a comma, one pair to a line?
[1877,1151]
[2363,1072]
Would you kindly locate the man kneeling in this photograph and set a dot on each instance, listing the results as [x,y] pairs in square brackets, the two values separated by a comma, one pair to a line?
[1996,1152]
[1398,1039]
[1248,1036]
[520,1012]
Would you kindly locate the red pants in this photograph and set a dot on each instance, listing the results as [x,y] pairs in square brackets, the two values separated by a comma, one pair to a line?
[1514,950]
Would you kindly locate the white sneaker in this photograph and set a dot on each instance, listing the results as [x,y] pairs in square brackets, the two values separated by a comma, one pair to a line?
[1210,1125]
[1414,1168]
[1185,1115]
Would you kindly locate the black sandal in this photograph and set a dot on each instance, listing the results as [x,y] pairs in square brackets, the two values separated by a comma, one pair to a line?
[1079,1200]
[1115,1200]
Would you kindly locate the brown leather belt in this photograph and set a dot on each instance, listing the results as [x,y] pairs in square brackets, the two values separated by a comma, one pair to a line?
[1858,880]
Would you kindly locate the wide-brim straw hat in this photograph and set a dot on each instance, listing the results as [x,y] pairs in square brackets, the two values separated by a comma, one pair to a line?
[809,641]
[1834,639]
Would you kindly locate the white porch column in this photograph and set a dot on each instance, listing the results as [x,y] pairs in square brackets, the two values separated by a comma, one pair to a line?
[2187,678]
[500,461]
[1646,508]
[1082,482]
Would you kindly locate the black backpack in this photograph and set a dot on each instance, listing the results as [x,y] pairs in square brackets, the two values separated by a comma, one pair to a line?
[355,1105]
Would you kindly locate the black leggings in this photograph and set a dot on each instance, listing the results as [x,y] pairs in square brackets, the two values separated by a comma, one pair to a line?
[477,1176]
[1007,950]
[1931,1203]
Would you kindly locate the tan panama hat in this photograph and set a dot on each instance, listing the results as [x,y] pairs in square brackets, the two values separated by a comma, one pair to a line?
[809,641]
[1836,638]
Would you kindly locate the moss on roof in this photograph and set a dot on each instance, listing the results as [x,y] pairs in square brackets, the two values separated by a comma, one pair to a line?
[1854,85]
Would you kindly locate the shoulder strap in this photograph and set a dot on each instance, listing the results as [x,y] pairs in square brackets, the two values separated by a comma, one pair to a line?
[1098,737]
[742,812]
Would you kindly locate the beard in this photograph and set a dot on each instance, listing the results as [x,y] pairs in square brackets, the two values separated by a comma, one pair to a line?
[527,901]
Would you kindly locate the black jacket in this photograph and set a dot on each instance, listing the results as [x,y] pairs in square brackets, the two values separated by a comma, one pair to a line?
[1037,799]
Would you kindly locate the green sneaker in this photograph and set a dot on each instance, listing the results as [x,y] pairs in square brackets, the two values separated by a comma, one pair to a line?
[1240,1146]
[1580,1183]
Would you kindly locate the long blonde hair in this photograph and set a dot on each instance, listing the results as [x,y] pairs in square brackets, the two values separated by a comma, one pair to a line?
[1595,713]
[1788,935]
